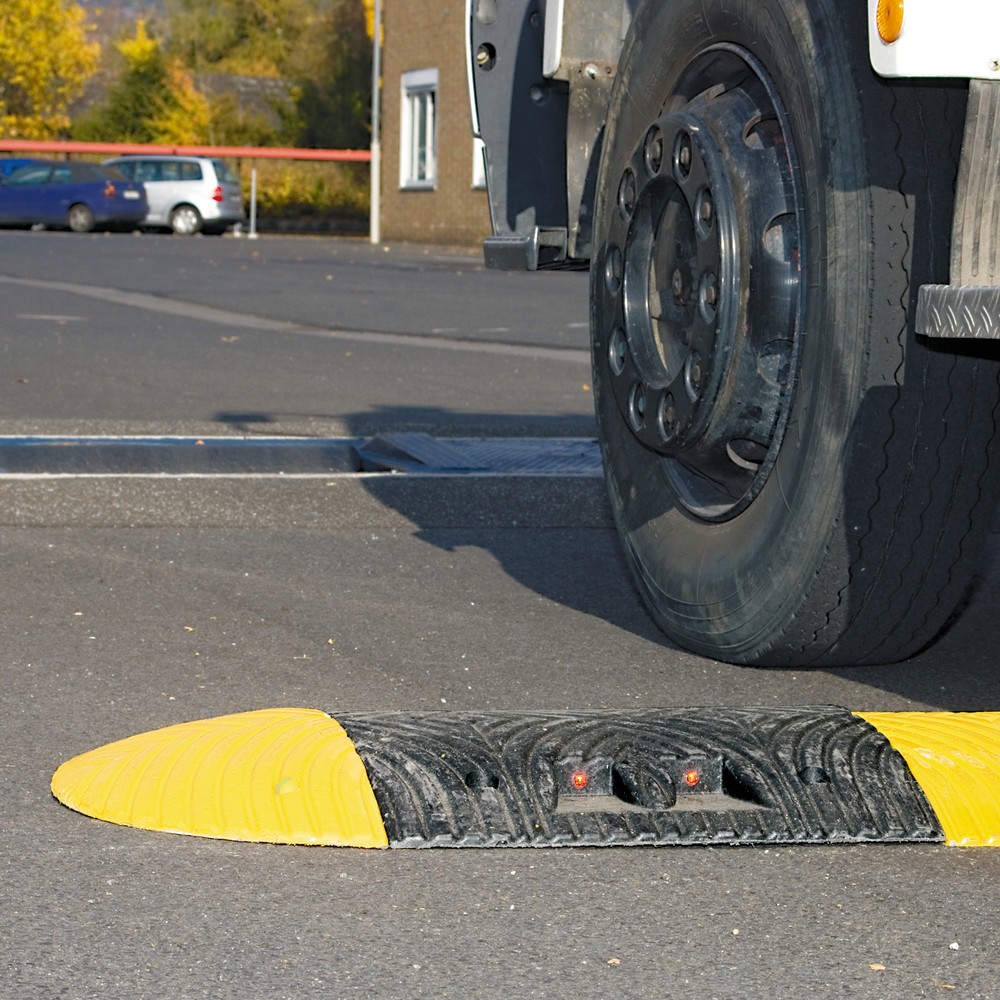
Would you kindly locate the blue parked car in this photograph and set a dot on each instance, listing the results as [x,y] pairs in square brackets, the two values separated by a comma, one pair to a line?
[80,196]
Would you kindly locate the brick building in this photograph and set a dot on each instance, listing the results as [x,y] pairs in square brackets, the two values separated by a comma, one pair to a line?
[433,189]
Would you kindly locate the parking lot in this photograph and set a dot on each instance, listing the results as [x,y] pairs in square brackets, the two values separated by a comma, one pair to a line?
[144,596]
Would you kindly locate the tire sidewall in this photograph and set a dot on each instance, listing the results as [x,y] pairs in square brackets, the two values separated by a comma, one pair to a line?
[186,212]
[80,218]
[730,568]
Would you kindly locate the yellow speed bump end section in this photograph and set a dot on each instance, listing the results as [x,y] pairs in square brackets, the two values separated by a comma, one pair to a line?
[955,758]
[283,776]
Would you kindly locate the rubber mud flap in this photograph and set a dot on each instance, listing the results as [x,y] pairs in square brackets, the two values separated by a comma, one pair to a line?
[692,776]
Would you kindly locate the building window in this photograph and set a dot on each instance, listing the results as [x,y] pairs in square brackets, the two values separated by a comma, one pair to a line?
[418,129]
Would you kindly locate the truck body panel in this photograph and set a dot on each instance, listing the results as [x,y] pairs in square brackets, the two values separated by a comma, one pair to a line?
[960,38]
[541,73]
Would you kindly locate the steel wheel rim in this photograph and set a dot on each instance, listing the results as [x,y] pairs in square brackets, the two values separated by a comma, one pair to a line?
[703,284]
[185,221]
[80,218]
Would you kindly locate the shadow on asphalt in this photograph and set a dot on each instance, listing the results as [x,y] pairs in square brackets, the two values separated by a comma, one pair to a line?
[959,672]
[421,419]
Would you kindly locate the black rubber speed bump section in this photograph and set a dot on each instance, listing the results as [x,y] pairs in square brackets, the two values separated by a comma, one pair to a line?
[691,776]
[705,776]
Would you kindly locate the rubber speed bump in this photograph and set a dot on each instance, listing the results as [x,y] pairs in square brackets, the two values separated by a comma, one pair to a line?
[955,758]
[694,776]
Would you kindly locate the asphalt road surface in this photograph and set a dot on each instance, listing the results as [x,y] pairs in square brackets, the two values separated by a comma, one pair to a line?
[135,603]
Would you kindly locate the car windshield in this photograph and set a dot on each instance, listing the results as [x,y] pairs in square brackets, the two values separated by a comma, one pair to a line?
[36,173]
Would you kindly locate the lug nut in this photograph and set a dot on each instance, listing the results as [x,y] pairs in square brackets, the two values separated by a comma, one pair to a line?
[654,152]
[705,209]
[617,351]
[694,371]
[626,195]
[708,296]
[637,407]
[682,150]
[613,270]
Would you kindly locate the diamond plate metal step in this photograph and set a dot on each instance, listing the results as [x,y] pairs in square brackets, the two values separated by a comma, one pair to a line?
[966,312]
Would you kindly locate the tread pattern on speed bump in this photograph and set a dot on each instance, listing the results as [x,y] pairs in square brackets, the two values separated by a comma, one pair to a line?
[758,776]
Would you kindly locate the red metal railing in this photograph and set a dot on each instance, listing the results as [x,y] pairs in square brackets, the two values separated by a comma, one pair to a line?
[242,152]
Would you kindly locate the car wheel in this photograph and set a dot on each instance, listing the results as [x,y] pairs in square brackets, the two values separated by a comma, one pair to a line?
[796,478]
[185,220]
[80,218]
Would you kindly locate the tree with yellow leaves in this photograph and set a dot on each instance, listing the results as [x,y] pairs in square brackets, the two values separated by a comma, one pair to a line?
[154,99]
[320,48]
[45,59]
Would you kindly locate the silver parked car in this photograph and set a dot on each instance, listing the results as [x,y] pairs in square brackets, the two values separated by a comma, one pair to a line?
[188,194]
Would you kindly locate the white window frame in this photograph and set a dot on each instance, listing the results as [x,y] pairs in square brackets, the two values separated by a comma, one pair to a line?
[418,129]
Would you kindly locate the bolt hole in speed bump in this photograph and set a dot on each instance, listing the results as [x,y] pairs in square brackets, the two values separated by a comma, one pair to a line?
[541,779]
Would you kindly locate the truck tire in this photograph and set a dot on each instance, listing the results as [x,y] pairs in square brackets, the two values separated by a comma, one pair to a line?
[796,477]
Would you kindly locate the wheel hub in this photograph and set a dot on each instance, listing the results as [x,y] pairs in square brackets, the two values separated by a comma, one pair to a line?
[702,279]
